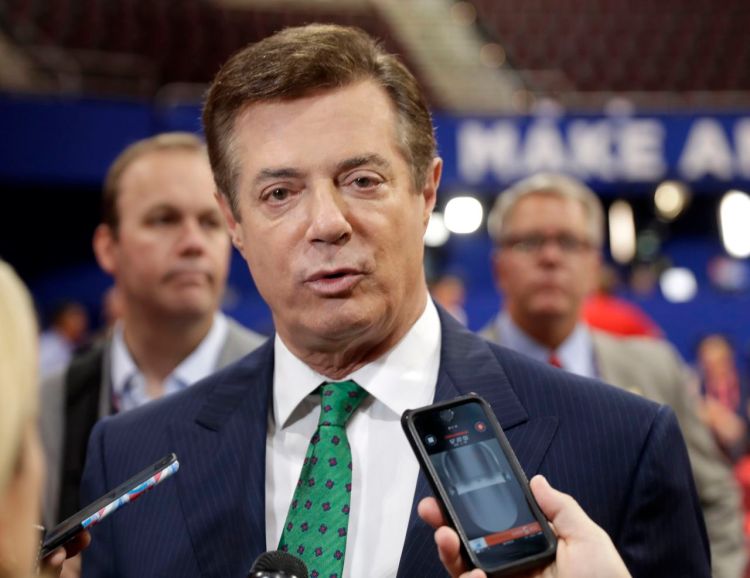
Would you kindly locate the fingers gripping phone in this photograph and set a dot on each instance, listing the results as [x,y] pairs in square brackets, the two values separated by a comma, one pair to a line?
[480,485]
[95,512]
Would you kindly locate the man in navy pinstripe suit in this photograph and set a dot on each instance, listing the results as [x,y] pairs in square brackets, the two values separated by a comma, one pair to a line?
[324,156]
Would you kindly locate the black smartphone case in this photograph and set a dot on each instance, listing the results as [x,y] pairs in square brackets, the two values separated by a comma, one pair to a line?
[516,566]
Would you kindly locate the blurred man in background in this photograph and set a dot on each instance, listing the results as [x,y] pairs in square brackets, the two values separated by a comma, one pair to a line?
[449,291]
[69,324]
[724,406]
[547,230]
[164,241]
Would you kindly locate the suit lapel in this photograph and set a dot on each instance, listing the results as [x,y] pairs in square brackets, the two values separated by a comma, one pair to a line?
[468,364]
[227,502]
[221,485]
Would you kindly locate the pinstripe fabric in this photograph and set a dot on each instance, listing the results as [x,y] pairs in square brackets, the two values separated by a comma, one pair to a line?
[211,521]
[619,455]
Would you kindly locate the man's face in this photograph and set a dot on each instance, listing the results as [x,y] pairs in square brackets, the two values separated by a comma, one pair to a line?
[329,222]
[547,264]
[170,255]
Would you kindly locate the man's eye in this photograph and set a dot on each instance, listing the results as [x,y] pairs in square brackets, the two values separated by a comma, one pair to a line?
[364,182]
[278,194]
[568,243]
[162,219]
[531,243]
[212,223]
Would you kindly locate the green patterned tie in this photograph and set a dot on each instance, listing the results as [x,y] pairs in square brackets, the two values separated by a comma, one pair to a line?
[318,518]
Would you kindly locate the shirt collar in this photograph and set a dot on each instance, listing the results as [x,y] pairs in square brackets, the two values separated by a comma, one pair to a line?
[576,353]
[200,363]
[403,377]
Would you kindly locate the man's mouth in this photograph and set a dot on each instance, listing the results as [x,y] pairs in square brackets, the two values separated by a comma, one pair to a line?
[188,276]
[335,282]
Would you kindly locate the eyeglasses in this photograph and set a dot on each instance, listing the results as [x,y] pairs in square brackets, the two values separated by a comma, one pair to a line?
[533,244]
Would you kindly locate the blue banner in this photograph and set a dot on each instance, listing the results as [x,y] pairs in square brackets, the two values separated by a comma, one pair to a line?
[612,153]
[74,140]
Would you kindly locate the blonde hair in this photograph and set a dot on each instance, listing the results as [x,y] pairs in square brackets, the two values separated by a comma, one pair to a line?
[18,368]
[549,184]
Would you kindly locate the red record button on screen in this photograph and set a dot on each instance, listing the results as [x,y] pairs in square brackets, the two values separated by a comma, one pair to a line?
[480,426]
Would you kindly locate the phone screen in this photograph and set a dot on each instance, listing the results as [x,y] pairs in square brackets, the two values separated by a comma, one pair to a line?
[490,505]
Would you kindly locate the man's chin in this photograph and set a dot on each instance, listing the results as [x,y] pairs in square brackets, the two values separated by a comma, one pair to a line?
[338,326]
[191,308]
[551,311]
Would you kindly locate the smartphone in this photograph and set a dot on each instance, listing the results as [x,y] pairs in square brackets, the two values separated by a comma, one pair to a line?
[95,512]
[480,485]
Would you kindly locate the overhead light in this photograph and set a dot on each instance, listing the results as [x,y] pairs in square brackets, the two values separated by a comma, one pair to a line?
[436,234]
[734,216]
[622,231]
[463,215]
[492,55]
[463,13]
[670,199]
[678,285]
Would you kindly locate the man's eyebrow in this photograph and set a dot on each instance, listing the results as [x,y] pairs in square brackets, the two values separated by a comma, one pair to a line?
[161,206]
[280,173]
[347,164]
[368,159]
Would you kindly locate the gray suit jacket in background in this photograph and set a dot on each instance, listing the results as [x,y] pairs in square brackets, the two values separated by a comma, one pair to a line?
[54,414]
[652,368]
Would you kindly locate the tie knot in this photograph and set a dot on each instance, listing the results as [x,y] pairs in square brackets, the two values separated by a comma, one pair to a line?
[338,401]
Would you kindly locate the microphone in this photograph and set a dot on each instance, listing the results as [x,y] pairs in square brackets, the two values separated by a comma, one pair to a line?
[278,564]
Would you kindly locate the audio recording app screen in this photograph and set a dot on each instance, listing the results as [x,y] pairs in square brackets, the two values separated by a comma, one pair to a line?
[485,494]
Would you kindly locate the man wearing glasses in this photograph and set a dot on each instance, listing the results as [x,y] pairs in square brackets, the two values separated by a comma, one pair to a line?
[548,236]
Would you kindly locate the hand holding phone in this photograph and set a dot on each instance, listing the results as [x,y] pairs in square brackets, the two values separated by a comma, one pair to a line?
[584,550]
[480,486]
[65,556]
[95,512]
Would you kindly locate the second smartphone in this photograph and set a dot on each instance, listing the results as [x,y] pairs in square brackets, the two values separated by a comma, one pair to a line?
[95,512]
[482,489]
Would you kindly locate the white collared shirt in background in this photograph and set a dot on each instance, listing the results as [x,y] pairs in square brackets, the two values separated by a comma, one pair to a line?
[128,384]
[576,353]
[385,470]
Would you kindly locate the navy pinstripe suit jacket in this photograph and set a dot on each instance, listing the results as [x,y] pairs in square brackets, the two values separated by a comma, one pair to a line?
[621,456]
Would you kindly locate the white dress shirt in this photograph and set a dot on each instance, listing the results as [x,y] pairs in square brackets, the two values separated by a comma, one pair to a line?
[576,353]
[128,384]
[384,475]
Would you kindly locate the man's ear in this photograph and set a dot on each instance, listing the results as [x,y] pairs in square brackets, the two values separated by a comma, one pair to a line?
[105,247]
[235,231]
[431,184]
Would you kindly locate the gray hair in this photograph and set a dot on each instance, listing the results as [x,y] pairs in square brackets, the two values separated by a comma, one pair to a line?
[548,184]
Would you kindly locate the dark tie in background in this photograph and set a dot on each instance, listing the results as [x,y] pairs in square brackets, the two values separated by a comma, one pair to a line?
[318,518]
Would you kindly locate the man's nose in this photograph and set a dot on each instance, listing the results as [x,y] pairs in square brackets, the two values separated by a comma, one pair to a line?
[192,237]
[550,250]
[328,214]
